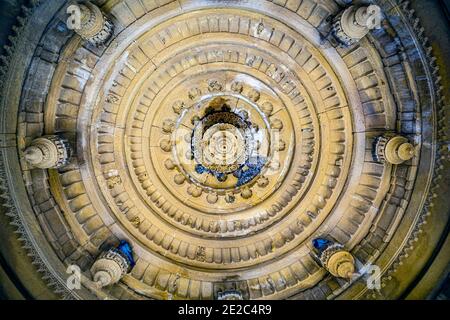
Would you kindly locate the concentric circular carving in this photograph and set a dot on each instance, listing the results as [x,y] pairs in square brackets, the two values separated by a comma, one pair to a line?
[167,121]
[219,140]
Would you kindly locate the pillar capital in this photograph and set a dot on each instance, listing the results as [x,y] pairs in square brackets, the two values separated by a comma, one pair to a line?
[112,265]
[48,152]
[394,149]
[334,258]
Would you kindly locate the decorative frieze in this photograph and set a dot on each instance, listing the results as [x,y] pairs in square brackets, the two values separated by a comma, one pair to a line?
[88,21]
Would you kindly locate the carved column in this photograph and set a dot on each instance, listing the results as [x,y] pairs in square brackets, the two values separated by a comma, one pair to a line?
[112,265]
[392,149]
[353,23]
[334,258]
[94,27]
[48,152]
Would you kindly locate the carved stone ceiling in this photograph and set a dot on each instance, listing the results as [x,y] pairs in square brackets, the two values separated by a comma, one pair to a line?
[165,118]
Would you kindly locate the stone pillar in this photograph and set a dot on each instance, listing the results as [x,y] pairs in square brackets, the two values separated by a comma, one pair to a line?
[334,258]
[353,23]
[48,152]
[392,149]
[94,26]
[112,265]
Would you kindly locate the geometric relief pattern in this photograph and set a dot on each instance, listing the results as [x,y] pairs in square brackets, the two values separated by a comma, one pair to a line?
[131,109]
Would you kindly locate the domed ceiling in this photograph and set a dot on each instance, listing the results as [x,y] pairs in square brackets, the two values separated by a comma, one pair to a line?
[219,139]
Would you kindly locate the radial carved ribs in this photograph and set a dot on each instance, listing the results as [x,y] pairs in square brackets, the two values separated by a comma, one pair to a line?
[219,141]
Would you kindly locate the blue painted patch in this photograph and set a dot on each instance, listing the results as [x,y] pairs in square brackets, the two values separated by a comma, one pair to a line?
[321,244]
[245,173]
[200,169]
[125,249]
[220,176]
[249,170]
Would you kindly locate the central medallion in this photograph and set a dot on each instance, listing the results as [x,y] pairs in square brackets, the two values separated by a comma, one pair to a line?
[223,141]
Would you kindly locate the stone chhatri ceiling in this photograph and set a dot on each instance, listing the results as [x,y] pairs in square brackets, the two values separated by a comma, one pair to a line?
[130,110]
